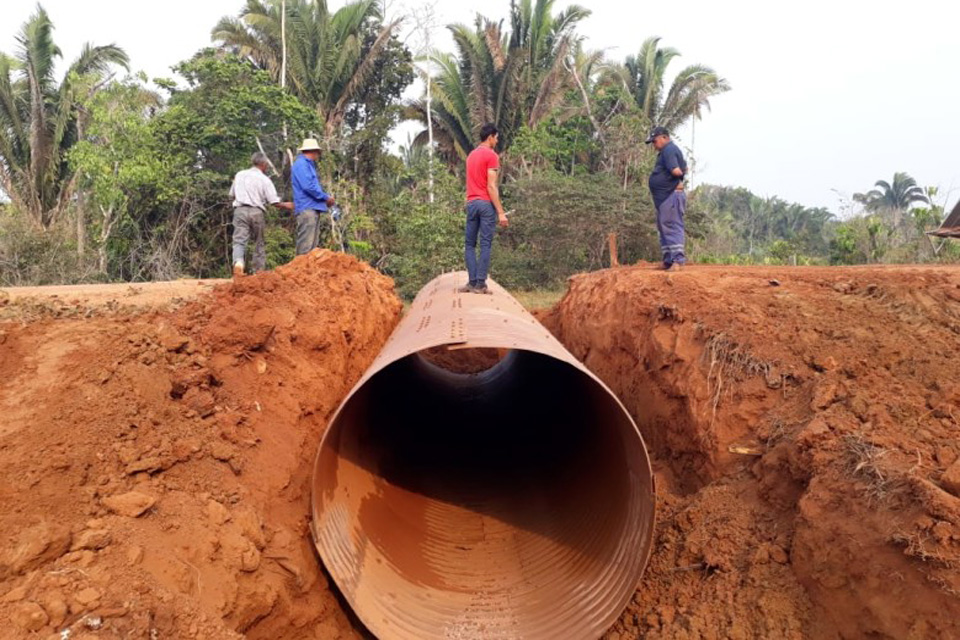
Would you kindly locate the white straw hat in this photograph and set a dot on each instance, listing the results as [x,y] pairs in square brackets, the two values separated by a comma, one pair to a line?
[310,144]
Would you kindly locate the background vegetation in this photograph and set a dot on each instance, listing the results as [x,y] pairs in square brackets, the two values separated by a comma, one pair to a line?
[107,175]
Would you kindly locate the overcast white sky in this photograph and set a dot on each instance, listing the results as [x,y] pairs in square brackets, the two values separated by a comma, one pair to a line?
[828,96]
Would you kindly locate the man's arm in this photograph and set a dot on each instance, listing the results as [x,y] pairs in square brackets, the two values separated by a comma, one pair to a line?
[493,190]
[270,195]
[673,162]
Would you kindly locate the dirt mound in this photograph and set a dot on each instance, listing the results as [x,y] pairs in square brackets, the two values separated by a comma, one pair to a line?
[804,424]
[154,469]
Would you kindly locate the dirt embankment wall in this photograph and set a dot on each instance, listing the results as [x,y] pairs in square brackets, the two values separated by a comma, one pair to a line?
[805,428]
[154,469]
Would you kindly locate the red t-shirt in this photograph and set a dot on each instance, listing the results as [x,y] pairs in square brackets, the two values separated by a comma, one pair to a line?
[480,160]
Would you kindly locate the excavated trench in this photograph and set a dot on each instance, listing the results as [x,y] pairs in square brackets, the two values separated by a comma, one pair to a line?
[503,503]
[515,500]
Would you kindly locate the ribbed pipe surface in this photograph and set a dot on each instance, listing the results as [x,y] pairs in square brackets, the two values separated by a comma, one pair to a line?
[517,502]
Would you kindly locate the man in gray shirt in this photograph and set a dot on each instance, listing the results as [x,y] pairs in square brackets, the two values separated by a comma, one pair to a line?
[252,192]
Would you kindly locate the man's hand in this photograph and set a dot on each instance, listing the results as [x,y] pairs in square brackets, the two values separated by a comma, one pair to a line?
[284,205]
[502,219]
[331,201]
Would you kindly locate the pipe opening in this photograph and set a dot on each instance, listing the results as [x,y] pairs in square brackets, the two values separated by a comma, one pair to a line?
[510,502]
[465,361]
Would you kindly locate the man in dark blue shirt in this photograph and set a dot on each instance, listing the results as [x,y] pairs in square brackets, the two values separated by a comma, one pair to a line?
[666,187]
[310,201]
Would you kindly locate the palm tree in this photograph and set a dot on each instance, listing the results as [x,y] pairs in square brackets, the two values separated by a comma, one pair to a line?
[643,76]
[545,42]
[512,79]
[328,59]
[412,155]
[893,198]
[38,116]
[901,194]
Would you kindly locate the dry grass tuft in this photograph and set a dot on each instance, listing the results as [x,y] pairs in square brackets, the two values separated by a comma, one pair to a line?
[922,547]
[864,460]
[728,360]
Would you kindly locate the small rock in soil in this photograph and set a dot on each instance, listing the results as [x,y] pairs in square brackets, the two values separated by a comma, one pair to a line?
[92,539]
[29,616]
[946,456]
[134,554]
[778,555]
[222,451]
[152,464]
[173,341]
[88,596]
[87,558]
[37,545]
[15,595]
[950,480]
[132,505]
[217,513]
[56,609]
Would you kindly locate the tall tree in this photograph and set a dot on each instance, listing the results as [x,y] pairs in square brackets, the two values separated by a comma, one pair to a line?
[897,196]
[38,116]
[644,76]
[329,56]
[512,78]
[546,43]
[120,169]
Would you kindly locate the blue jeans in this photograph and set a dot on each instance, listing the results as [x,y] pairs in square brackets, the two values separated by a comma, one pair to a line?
[482,221]
[670,226]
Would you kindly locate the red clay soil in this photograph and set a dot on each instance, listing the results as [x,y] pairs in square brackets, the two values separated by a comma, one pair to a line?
[154,466]
[154,469]
[804,424]
[464,360]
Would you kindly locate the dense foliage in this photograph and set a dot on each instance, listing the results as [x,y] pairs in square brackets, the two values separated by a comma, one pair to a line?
[110,177]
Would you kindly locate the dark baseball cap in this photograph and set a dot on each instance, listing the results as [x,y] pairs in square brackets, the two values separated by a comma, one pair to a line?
[657,131]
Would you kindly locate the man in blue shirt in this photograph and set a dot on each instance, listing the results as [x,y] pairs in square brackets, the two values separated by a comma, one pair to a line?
[666,187]
[310,201]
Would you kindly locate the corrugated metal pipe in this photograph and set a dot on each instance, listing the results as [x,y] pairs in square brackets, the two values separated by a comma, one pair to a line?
[480,482]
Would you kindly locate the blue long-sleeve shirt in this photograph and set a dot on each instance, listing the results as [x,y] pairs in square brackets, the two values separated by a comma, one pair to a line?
[307,192]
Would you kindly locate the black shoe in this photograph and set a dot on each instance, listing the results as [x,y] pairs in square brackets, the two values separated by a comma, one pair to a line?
[467,288]
[483,289]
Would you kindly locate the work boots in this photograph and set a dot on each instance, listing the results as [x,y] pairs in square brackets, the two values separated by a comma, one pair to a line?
[472,288]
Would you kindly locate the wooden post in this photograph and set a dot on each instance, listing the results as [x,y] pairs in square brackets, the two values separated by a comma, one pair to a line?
[612,240]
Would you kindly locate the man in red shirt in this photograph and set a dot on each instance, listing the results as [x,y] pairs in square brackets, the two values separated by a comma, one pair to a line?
[484,210]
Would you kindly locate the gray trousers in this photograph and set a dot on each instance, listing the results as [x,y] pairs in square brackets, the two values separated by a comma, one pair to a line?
[670,225]
[311,226]
[248,226]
